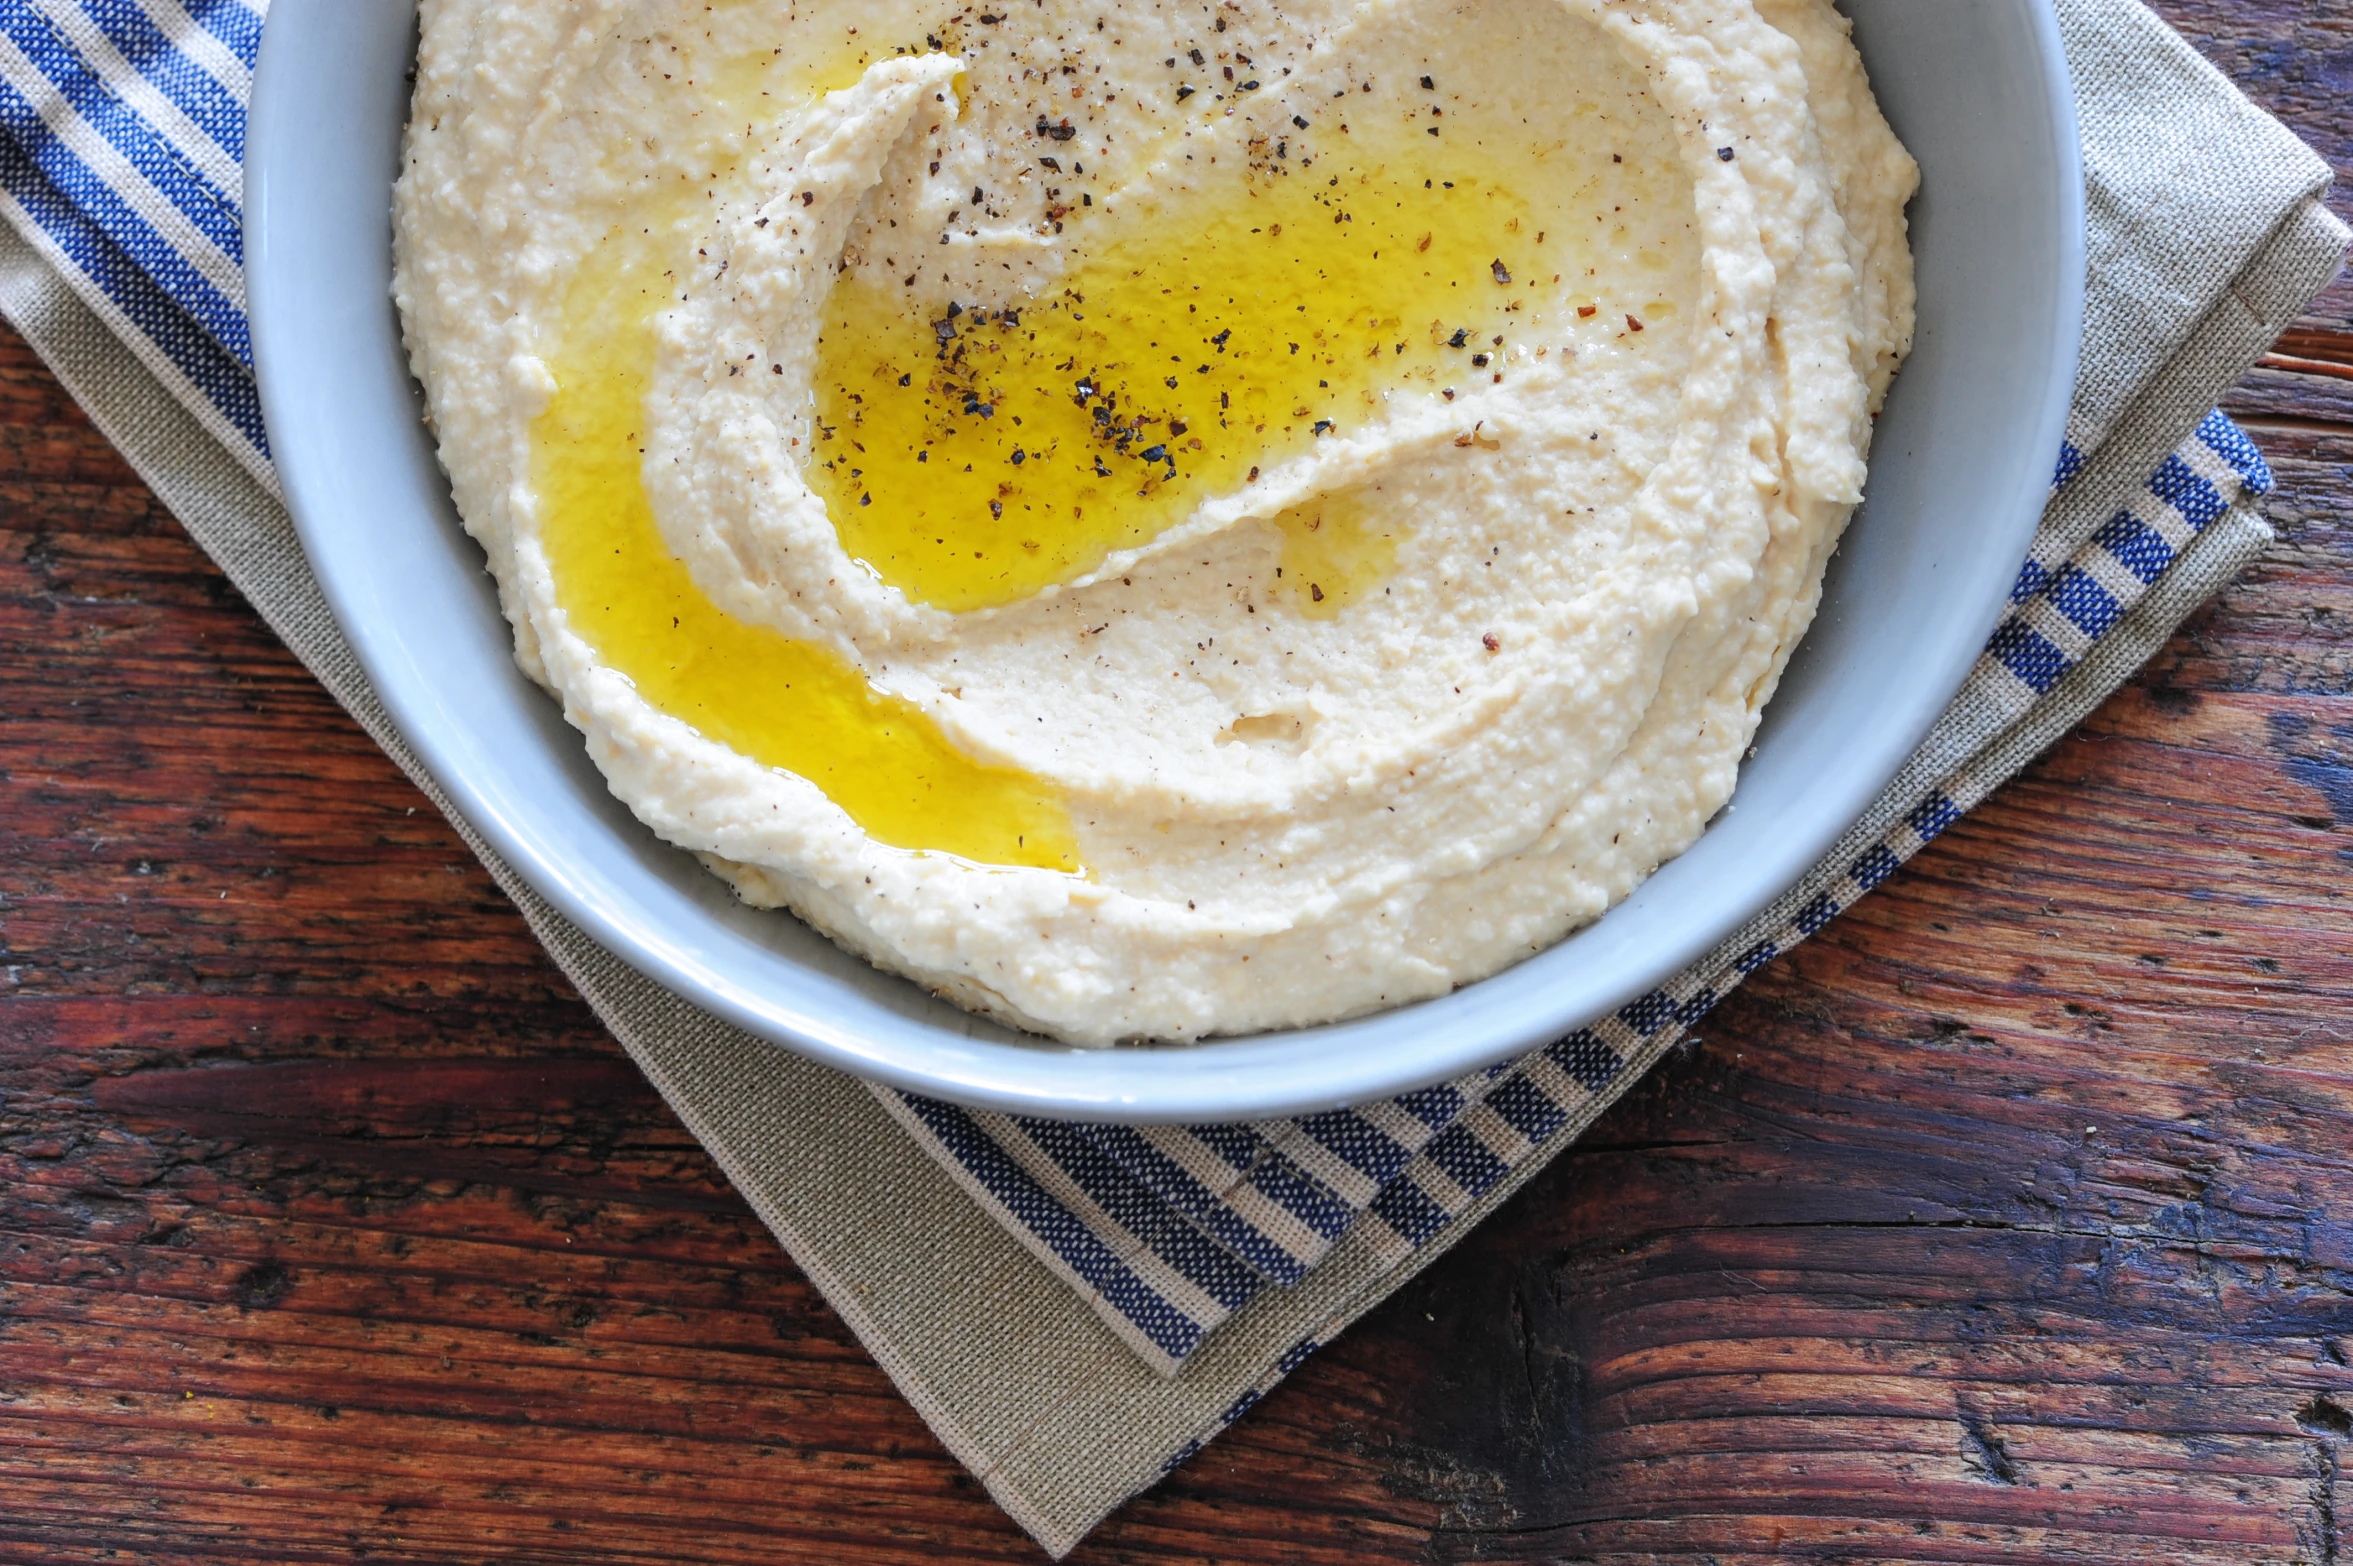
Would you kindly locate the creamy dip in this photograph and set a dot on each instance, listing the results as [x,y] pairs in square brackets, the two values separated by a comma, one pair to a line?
[1158,519]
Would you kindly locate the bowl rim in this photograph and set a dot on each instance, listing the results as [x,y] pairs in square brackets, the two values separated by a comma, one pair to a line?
[1260,1076]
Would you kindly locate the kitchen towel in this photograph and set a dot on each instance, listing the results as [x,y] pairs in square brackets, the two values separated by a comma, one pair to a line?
[1075,1309]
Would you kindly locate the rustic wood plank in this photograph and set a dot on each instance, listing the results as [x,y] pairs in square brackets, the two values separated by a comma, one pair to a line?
[2003,1221]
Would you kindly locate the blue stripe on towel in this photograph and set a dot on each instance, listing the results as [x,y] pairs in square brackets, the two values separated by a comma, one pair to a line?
[165,167]
[222,383]
[99,204]
[234,24]
[208,103]
[1078,1247]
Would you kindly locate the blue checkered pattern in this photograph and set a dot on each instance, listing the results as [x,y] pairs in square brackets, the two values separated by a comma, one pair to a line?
[122,128]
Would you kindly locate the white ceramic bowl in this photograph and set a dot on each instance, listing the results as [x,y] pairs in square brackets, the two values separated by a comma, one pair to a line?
[1959,474]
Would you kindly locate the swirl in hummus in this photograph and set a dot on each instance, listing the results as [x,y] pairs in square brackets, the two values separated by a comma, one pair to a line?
[1158,519]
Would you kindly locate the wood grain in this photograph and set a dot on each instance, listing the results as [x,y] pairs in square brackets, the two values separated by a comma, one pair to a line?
[2009,1219]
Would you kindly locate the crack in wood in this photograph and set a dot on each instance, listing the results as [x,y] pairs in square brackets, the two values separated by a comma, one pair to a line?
[1982,1450]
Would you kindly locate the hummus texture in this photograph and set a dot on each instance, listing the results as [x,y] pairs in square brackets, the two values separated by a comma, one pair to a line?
[1158,519]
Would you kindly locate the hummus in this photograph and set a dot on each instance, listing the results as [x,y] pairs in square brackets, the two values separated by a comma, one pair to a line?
[1158,518]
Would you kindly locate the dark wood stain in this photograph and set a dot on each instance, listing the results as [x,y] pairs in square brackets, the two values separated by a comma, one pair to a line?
[2010,1219]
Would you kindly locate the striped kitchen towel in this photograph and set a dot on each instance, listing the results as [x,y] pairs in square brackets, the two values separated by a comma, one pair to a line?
[121,135]
[122,163]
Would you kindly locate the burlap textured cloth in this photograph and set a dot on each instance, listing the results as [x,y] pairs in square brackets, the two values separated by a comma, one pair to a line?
[2207,238]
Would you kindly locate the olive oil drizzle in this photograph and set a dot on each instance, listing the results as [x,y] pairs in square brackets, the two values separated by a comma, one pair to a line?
[972,456]
[786,703]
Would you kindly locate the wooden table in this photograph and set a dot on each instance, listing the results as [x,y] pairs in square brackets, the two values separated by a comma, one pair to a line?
[2010,1219]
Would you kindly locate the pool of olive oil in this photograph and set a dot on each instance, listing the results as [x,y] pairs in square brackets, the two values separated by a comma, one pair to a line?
[785,703]
[971,456]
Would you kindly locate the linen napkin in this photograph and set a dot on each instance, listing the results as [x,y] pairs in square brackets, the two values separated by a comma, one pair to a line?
[1074,1309]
